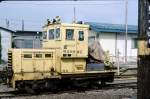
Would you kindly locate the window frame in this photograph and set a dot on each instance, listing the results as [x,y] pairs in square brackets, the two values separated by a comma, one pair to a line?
[27,57]
[38,57]
[83,37]
[49,34]
[66,34]
[55,32]
[51,55]
[57,38]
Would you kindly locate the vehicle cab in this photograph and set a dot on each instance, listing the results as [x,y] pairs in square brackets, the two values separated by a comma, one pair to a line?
[71,39]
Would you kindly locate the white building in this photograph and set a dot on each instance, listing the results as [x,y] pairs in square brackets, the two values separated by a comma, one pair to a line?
[5,42]
[112,39]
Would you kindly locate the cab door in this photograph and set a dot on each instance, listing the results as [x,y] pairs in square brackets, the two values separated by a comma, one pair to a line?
[38,62]
[27,62]
[82,43]
[81,50]
[49,61]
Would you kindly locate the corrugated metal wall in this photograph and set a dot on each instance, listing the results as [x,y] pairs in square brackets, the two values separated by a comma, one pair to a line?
[27,40]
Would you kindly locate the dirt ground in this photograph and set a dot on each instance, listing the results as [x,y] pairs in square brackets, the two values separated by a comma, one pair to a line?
[104,93]
[126,93]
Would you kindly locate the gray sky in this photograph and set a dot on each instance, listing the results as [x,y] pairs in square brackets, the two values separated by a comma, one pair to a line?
[35,13]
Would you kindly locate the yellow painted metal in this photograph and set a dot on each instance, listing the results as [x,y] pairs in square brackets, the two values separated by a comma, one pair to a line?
[75,47]
[143,49]
[22,62]
[57,56]
[72,53]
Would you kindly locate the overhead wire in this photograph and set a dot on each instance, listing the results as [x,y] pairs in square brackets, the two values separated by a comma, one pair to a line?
[62,4]
[62,0]
[67,3]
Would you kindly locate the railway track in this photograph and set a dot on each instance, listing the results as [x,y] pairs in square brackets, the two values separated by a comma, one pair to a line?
[132,85]
[118,84]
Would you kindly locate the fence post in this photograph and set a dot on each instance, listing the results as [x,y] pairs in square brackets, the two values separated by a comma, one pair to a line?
[117,60]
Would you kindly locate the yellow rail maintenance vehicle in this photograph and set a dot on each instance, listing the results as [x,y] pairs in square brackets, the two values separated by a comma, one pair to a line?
[62,60]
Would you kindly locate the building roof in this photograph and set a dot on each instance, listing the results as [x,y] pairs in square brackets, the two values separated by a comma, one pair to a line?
[5,29]
[34,32]
[112,28]
[21,32]
[27,33]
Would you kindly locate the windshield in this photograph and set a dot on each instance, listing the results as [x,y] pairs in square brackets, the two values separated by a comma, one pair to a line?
[69,34]
[54,34]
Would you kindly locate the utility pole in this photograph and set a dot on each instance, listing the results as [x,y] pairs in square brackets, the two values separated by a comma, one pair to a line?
[22,25]
[7,23]
[0,48]
[74,14]
[143,76]
[117,60]
[126,29]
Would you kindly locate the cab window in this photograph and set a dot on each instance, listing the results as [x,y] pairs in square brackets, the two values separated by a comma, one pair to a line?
[57,33]
[81,35]
[51,34]
[38,55]
[48,56]
[69,34]
[44,35]
[27,55]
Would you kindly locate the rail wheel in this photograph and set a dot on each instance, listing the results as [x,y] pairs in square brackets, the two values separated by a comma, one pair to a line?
[29,89]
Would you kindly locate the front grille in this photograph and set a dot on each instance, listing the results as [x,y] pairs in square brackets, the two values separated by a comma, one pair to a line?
[9,67]
[9,59]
